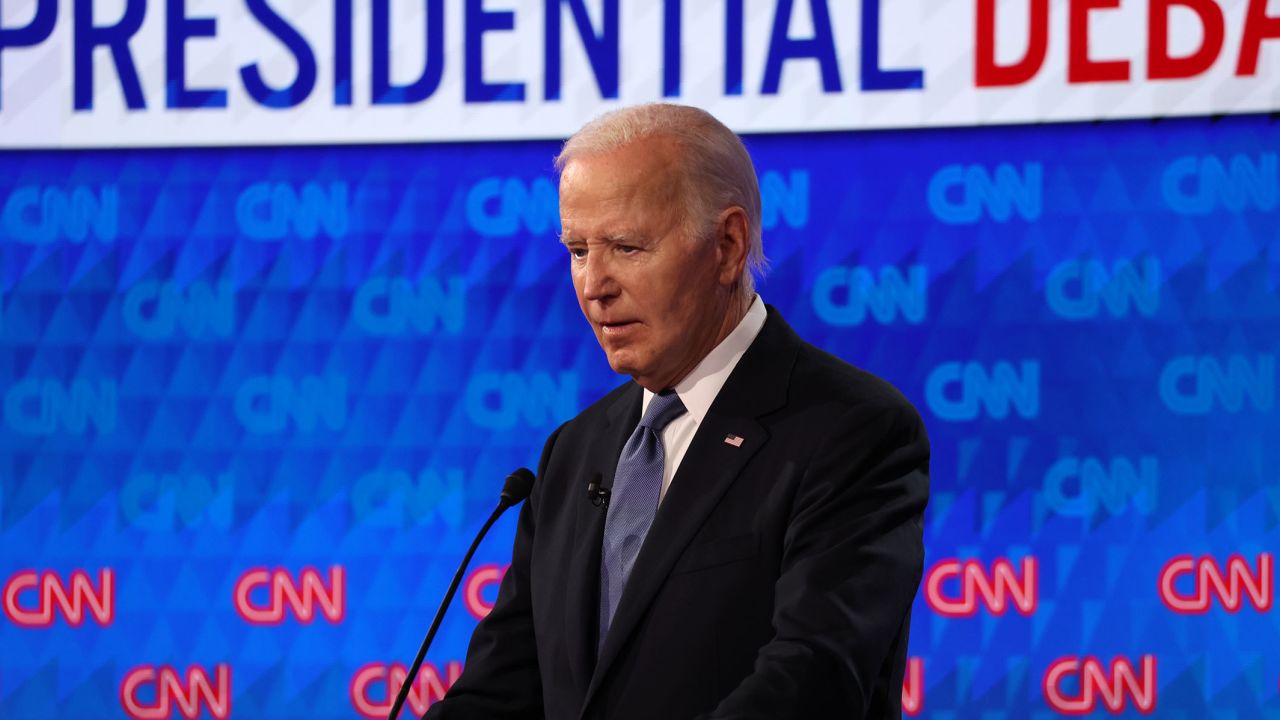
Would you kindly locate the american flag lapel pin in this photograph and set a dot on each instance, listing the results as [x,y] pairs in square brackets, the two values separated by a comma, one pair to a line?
[734,440]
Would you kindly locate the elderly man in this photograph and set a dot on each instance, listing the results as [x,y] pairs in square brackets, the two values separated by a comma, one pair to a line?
[760,545]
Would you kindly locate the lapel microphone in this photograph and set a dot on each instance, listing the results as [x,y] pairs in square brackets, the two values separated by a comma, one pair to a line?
[514,491]
[599,496]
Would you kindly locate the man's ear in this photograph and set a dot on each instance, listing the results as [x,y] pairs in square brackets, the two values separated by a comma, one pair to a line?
[733,243]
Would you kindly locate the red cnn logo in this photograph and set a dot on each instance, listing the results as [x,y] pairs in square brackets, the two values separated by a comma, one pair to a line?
[1094,681]
[1209,579]
[302,596]
[477,582]
[913,687]
[170,688]
[50,591]
[427,687]
[994,588]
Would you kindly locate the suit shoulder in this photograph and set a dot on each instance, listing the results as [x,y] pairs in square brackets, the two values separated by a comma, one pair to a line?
[822,377]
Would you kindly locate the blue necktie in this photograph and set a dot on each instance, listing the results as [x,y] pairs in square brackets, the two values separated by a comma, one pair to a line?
[637,483]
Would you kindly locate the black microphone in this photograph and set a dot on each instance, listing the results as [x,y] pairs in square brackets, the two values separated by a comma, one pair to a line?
[514,490]
[599,496]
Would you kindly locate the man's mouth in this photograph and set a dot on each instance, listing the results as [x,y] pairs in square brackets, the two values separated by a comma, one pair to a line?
[618,327]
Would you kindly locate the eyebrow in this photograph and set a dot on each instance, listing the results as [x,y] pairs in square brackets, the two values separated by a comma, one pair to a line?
[616,239]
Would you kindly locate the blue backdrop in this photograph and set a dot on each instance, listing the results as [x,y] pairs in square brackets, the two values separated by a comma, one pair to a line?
[257,401]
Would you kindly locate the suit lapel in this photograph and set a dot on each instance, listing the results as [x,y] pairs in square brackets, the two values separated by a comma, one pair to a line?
[715,459]
[582,610]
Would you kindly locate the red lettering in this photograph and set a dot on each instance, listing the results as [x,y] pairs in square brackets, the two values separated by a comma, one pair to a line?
[473,593]
[301,596]
[913,687]
[52,592]
[1080,67]
[1094,681]
[989,73]
[170,688]
[1163,66]
[1209,580]
[1258,26]
[995,588]
[427,687]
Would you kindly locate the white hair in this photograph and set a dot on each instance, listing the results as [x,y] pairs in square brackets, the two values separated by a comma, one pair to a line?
[715,166]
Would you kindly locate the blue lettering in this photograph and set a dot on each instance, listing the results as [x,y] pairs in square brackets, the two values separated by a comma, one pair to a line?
[153,309]
[178,28]
[497,207]
[265,211]
[478,22]
[996,391]
[733,30]
[500,400]
[1078,289]
[167,501]
[342,52]
[873,77]
[304,81]
[384,91]
[782,47]
[602,48]
[265,403]
[394,498]
[671,36]
[36,407]
[1000,196]
[1190,384]
[42,215]
[777,199]
[893,294]
[1199,185]
[87,36]
[1115,485]
[389,306]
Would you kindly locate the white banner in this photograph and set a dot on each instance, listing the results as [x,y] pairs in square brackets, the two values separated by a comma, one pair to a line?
[232,72]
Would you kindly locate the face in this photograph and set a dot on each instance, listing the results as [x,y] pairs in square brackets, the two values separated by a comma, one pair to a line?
[657,298]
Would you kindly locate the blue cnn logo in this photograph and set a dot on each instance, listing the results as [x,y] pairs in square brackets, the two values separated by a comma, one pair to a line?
[265,403]
[1198,384]
[501,207]
[784,199]
[964,194]
[392,306]
[843,295]
[1081,289]
[1199,185]
[961,391]
[44,406]
[43,214]
[162,502]
[498,401]
[1078,487]
[394,498]
[270,211]
[155,310]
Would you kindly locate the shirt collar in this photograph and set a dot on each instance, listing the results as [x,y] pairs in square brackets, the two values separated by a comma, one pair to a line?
[699,388]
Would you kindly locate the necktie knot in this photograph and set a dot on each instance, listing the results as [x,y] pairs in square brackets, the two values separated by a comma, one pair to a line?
[663,408]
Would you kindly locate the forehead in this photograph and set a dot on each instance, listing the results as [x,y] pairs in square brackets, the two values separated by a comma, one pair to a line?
[642,178]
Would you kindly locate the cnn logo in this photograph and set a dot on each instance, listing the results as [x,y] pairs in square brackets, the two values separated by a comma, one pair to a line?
[1073,685]
[153,693]
[262,596]
[1209,580]
[32,599]
[375,685]
[957,588]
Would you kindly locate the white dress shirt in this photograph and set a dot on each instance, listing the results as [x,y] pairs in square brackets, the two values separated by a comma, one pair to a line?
[699,388]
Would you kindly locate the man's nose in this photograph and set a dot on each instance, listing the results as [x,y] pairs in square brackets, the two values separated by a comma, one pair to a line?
[598,281]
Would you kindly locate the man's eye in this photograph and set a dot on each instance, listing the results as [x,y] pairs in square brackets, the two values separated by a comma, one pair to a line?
[627,249]
[578,252]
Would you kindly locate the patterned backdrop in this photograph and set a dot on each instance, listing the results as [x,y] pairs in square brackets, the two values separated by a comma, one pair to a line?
[257,401]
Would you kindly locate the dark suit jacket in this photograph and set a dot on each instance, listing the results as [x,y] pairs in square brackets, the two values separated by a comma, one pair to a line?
[775,582]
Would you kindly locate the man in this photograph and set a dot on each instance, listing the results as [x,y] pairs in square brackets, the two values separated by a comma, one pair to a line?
[761,545]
